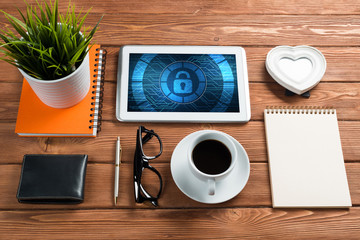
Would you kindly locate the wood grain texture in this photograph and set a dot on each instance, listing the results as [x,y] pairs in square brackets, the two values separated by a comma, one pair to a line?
[209,7]
[102,148]
[342,96]
[235,223]
[237,30]
[342,65]
[99,189]
[240,30]
[332,26]
[100,182]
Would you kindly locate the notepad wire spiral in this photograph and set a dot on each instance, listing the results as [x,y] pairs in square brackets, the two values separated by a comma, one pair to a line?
[98,80]
[299,110]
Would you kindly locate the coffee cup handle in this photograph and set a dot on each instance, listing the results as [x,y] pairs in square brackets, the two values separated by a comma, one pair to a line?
[211,186]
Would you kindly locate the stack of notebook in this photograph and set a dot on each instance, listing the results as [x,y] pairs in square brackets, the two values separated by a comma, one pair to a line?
[82,120]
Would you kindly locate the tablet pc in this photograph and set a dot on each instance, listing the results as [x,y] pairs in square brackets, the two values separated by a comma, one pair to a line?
[182,84]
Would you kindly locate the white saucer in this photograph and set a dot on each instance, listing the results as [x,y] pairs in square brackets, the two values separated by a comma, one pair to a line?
[197,189]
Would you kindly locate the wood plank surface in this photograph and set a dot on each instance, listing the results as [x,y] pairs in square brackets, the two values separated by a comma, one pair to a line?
[237,30]
[240,30]
[100,182]
[342,96]
[251,136]
[332,26]
[99,189]
[208,7]
[342,65]
[235,223]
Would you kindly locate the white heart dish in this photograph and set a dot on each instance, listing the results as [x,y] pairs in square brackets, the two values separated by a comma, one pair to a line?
[297,69]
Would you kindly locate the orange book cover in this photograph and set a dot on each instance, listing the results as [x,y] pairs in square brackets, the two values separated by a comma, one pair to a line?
[37,119]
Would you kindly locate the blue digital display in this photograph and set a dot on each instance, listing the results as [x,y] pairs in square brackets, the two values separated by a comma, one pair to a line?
[183,83]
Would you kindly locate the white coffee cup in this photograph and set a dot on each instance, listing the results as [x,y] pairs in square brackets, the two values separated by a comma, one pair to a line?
[222,140]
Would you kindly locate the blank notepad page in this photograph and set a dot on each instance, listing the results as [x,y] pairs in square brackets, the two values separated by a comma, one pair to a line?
[306,162]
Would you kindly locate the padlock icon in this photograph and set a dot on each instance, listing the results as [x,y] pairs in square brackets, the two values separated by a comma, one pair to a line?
[183,84]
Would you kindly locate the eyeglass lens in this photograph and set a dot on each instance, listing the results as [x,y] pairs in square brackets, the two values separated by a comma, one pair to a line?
[151,145]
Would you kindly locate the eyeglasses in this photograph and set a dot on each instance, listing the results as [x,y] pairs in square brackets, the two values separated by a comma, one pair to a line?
[143,171]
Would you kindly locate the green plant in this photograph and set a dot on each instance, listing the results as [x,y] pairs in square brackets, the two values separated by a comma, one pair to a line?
[50,45]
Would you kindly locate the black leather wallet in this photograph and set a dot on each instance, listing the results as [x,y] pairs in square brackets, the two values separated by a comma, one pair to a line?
[52,179]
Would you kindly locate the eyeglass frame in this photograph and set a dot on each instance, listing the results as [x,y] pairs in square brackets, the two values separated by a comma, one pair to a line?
[141,161]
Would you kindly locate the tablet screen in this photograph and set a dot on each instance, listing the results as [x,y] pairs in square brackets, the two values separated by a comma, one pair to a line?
[183,83]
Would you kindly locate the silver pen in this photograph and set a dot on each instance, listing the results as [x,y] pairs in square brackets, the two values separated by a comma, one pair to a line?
[117,166]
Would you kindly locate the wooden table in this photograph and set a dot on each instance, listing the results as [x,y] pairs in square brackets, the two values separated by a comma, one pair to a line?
[258,25]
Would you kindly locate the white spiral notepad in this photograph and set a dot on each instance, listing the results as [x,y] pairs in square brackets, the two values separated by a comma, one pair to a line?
[306,162]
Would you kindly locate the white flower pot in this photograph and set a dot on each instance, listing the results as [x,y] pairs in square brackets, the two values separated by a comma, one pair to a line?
[64,92]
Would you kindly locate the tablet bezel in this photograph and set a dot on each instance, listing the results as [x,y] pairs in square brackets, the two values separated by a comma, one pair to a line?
[123,115]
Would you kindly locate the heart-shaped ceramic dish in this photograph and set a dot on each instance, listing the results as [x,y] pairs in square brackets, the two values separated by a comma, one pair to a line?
[298,69]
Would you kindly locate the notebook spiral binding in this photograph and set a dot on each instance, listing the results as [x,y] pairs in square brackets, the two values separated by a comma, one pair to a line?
[98,89]
[299,110]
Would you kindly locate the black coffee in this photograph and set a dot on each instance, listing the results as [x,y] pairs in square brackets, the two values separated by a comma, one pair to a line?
[211,157]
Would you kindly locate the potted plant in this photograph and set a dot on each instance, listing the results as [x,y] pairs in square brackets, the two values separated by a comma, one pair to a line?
[51,51]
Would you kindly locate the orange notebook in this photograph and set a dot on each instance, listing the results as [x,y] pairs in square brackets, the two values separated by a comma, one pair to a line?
[35,119]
